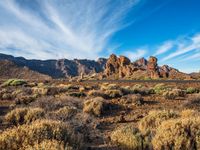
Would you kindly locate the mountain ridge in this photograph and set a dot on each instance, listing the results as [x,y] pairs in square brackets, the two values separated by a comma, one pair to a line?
[112,68]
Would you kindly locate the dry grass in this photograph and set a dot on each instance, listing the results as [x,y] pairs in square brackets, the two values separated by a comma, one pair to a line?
[135,99]
[189,113]
[178,134]
[96,93]
[114,93]
[94,106]
[39,131]
[47,145]
[150,122]
[129,137]
[24,115]
[64,113]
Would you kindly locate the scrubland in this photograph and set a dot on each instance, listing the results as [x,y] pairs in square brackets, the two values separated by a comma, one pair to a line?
[60,115]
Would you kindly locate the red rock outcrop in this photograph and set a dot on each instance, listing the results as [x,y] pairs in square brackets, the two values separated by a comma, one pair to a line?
[122,67]
[152,68]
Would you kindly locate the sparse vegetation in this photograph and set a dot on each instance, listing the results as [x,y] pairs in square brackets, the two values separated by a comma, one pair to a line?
[150,122]
[94,106]
[24,115]
[53,114]
[39,131]
[191,90]
[160,88]
[127,137]
[14,82]
[178,134]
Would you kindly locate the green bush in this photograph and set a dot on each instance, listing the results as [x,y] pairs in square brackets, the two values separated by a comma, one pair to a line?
[14,82]
[160,88]
[191,90]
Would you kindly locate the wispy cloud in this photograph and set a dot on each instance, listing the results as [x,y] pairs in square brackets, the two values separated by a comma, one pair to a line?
[133,55]
[164,48]
[71,29]
[183,46]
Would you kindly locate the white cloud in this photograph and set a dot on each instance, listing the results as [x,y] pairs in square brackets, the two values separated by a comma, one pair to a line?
[184,46]
[70,29]
[164,48]
[133,55]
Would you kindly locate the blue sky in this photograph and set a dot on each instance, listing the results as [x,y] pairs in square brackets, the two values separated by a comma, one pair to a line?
[52,29]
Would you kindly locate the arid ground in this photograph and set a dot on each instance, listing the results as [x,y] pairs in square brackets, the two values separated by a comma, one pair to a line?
[98,115]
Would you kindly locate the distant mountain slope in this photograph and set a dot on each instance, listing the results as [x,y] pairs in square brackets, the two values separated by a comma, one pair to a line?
[59,68]
[112,68]
[10,70]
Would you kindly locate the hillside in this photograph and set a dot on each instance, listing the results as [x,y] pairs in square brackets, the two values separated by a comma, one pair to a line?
[59,68]
[10,70]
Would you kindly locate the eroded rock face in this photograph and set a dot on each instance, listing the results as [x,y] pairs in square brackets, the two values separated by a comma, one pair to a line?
[152,68]
[120,67]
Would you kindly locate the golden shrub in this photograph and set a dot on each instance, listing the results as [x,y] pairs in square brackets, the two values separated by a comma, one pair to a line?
[150,122]
[40,90]
[38,131]
[16,116]
[24,115]
[96,93]
[47,145]
[94,106]
[34,114]
[113,93]
[189,113]
[178,134]
[107,86]
[135,99]
[64,113]
[128,137]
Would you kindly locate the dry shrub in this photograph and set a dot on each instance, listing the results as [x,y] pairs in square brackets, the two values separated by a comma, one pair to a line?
[114,93]
[189,113]
[178,134]
[96,93]
[129,137]
[193,101]
[149,123]
[39,131]
[48,145]
[50,103]
[174,94]
[24,115]
[64,113]
[94,106]
[135,99]
[107,86]
[76,94]
[25,99]
[39,90]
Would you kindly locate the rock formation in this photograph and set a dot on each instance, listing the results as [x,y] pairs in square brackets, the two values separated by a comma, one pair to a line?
[122,67]
[152,68]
